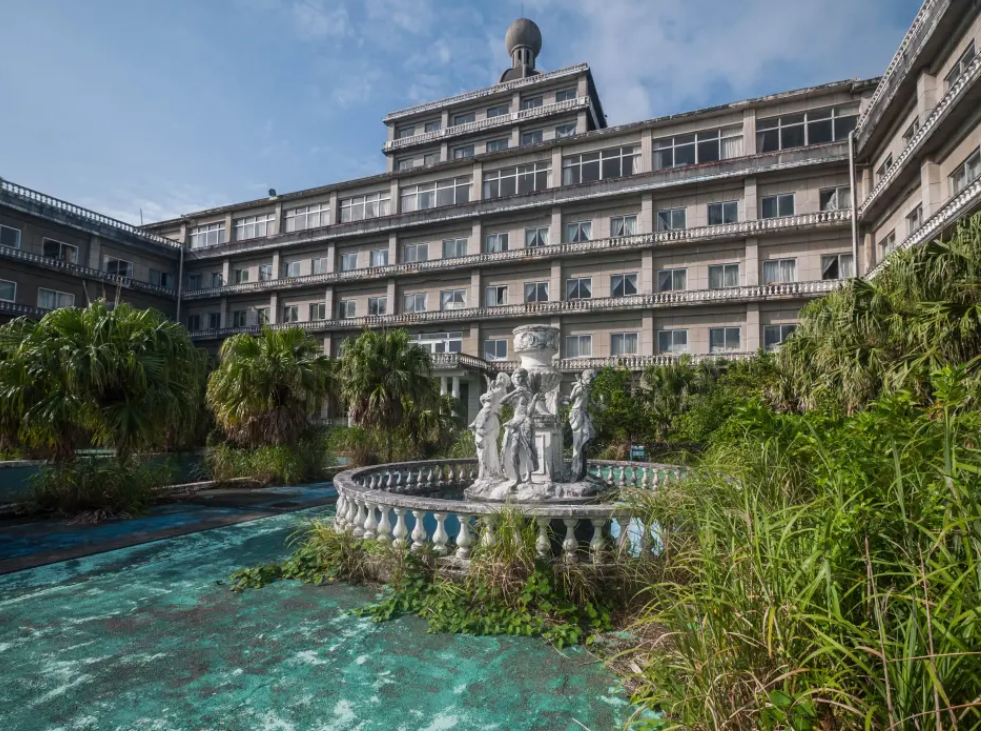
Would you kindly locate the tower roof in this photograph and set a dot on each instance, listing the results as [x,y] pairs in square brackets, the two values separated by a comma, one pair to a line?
[524,32]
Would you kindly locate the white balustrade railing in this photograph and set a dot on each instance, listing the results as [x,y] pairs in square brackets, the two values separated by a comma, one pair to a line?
[18,310]
[378,503]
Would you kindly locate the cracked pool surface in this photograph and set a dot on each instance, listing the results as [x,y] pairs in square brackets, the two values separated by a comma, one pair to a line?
[150,637]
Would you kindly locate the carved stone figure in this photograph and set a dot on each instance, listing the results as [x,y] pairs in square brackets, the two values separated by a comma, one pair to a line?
[486,428]
[583,431]
[519,455]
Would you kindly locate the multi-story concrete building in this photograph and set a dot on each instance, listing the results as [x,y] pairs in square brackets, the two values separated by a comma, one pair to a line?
[701,233]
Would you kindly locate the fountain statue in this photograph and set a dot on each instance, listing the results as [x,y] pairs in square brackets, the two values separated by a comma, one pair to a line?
[530,466]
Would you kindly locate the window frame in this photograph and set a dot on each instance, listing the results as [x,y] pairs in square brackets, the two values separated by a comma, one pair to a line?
[515,180]
[697,144]
[960,65]
[243,275]
[726,268]
[532,137]
[62,245]
[498,110]
[625,279]
[422,246]
[313,215]
[577,282]
[163,279]
[13,297]
[779,263]
[501,144]
[195,282]
[496,289]
[536,288]
[205,231]
[673,347]
[724,207]
[382,202]
[500,247]
[58,295]
[20,236]
[296,264]
[450,244]
[376,303]
[579,341]
[376,255]
[261,220]
[454,294]
[563,131]
[673,273]
[808,119]
[536,237]
[531,102]
[347,309]
[291,313]
[666,219]
[838,260]
[436,194]
[914,220]
[463,118]
[577,232]
[784,330]
[836,195]
[564,95]
[627,222]
[488,356]
[266,272]
[959,180]
[726,331]
[414,296]
[574,166]
[778,199]
[624,338]
[317,311]
[129,269]
[347,259]
[463,152]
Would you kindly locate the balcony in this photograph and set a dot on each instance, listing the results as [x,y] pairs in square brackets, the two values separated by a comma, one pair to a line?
[482,125]
[661,300]
[15,309]
[77,270]
[743,229]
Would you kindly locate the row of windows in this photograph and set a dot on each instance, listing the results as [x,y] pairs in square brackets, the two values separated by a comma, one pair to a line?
[499,144]
[47,299]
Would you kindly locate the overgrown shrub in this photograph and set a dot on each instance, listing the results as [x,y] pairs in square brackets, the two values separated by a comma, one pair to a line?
[304,462]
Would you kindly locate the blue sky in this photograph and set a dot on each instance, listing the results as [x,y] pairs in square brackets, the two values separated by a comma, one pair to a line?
[177,105]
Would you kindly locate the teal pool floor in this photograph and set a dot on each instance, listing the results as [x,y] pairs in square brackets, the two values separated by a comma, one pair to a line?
[150,638]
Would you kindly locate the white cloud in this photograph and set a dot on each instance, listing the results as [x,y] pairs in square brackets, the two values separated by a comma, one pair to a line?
[313,20]
[413,16]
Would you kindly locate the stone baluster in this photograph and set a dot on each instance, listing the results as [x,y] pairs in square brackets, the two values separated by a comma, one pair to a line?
[352,512]
[623,540]
[412,481]
[339,510]
[487,537]
[430,478]
[440,537]
[359,519]
[621,480]
[543,548]
[400,532]
[390,481]
[597,544]
[569,545]
[398,481]
[463,538]
[370,524]
[440,476]
[419,531]
[384,529]
[655,481]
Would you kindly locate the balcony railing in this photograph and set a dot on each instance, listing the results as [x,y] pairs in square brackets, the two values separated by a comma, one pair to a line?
[753,293]
[34,196]
[480,125]
[15,309]
[743,229]
[461,361]
[82,271]
[957,91]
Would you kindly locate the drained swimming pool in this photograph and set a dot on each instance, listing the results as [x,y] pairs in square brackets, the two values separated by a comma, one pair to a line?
[150,637]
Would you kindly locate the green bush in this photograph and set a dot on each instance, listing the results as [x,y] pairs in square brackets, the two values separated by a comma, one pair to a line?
[306,461]
[100,486]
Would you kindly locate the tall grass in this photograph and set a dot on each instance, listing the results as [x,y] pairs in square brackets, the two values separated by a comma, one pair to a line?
[824,572]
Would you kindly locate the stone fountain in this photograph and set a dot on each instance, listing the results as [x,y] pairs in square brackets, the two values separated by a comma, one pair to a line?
[530,467]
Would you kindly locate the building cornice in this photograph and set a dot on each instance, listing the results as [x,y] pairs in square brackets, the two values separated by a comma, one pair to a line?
[76,270]
[788,160]
[701,234]
[660,300]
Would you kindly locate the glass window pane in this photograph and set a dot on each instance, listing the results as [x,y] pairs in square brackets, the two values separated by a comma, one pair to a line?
[819,132]
[792,137]
[768,141]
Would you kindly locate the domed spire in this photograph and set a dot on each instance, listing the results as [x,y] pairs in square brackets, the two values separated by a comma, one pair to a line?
[524,43]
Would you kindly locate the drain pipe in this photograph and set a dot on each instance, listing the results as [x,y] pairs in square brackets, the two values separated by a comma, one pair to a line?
[854,201]
[180,282]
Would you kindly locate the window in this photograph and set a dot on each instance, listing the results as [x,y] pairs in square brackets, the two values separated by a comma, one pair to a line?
[454,248]
[499,111]
[779,271]
[496,296]
[347,309]
[8,291]
[536,291]
[378,306]
[672,341]
[406,163]
[414,302]
[50,299]
[161,279]
[724,339]
[623,226]
[496,349]
[776,335]
[265,272]
[318,265]
[430,158]
[118,267]
[961,66]
[262,315]
[500,145]
[451,342]
[532,138]
[210,234]
[672,280]
[579,346]
[379,257]
[318,311]
[565,130]
[453,299]
[700,147]
[675,219]
[884,168]
[466,118]
[241,276]
[414,253]
[433,126]
[532,102]
[214,320]
[349,262]
[305,217]
[404,131]
[361,207]
[496,243]
[10,237]
[723,276]
[914,220]
[777,206]
[721,213]
[463,152]
[535,237]
[293,268]
[193,323]
[888,244]
[911,131]
[516,180]
[836,199]
[616,162]
[563,95]
[579,289]
[291,313]
[578,231]
[623,285]
[810,128]
[194,282]
[438,193]
[967,173]
[254,226]
[239,318]
[837,266]
[60,251]
[623,344]
[217,280]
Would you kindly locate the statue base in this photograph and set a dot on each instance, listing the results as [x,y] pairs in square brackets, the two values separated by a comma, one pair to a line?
[504,490]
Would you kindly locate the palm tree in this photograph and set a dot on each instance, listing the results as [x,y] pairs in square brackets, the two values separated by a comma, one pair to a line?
[671,389]
[123,378]
[384,376]
[266,387]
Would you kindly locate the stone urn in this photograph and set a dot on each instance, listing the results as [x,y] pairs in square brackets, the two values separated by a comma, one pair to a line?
[537,346]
